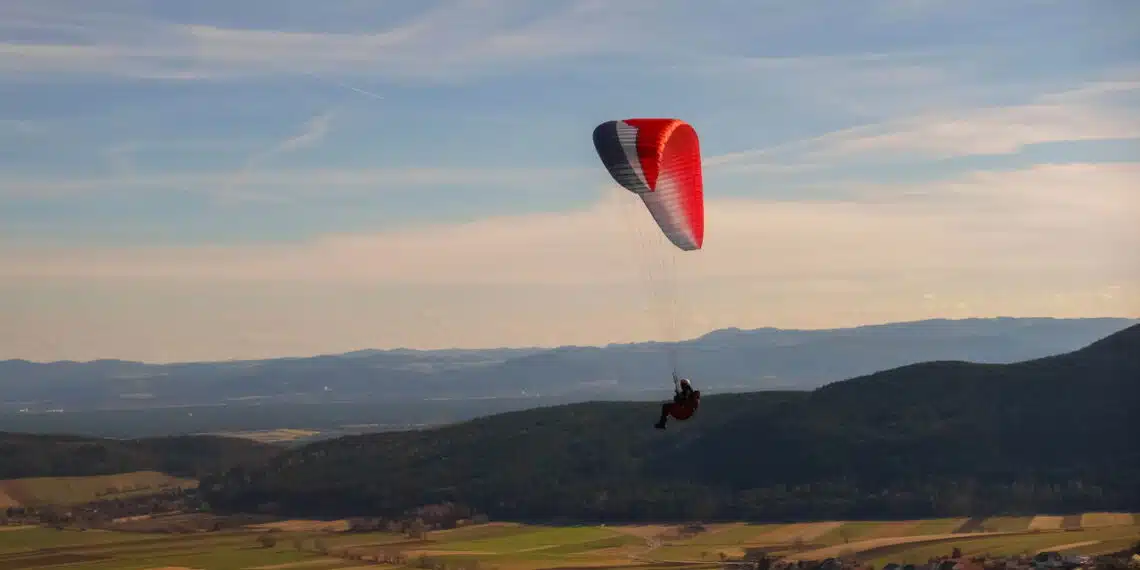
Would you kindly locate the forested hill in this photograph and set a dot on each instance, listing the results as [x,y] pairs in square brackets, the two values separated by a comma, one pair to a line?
[26,455]
[1052,435]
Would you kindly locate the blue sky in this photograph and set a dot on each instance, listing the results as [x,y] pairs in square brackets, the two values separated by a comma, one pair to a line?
[239,179]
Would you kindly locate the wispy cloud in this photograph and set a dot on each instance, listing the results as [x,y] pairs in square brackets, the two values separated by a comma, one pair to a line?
[313,132]
[1071,116]
[1094,111]
[455,40]
[313,182]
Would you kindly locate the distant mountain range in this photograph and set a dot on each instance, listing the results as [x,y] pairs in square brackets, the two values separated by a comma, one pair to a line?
[728,360]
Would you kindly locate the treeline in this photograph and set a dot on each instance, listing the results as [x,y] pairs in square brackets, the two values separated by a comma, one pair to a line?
[642,499]
[26,455]
[940,439]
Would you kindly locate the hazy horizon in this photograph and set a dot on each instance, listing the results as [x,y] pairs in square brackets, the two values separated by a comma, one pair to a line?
[1134,319]
[243,182]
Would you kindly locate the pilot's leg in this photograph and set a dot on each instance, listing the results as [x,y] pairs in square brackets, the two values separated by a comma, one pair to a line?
[665,408]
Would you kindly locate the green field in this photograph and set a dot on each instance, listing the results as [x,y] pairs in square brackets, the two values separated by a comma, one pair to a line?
[521,547]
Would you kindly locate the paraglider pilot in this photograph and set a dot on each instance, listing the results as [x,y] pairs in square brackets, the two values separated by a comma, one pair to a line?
[684,405]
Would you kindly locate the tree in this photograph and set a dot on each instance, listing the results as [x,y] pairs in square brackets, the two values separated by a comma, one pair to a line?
[417,529]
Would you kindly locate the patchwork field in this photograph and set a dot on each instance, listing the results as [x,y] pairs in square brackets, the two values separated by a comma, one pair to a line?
[320,545]
[282,435]
[1086,541]
[36,491]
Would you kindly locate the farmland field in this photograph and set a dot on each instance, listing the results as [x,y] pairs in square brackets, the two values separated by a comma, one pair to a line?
[509,546]
[282,435]
[75,490]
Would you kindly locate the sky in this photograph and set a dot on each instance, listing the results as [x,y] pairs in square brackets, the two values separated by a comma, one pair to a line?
[217,180]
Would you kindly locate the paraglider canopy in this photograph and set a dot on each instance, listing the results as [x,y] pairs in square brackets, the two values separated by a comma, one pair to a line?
[660,161]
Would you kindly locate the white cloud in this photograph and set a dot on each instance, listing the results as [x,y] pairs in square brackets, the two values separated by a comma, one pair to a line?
[1051,240]
[1092,111]
[1048,218]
